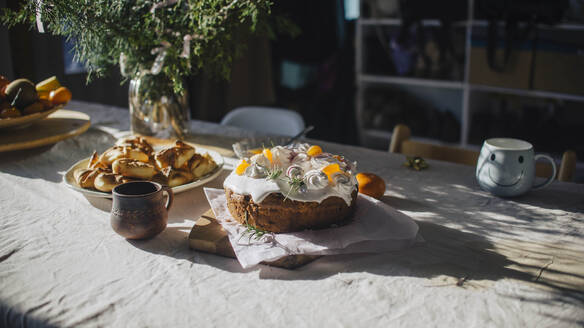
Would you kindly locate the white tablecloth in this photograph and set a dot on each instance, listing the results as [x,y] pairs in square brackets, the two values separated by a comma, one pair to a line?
[486,261]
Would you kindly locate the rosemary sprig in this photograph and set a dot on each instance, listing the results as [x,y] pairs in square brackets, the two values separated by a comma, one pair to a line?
[295,184]
[253,232]
[274,174]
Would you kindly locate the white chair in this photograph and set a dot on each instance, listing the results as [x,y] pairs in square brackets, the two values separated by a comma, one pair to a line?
[269,120]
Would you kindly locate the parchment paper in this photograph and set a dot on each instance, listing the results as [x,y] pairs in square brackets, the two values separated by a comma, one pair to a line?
[375,227]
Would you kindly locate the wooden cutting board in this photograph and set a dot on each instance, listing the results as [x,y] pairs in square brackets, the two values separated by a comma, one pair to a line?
[208,236]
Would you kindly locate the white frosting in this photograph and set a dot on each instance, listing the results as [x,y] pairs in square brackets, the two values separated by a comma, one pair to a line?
[294,162]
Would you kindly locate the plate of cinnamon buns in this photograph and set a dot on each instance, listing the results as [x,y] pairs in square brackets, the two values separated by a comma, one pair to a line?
[179,165]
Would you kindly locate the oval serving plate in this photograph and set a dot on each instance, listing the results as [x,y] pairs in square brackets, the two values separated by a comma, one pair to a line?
[23,121]
[70,182]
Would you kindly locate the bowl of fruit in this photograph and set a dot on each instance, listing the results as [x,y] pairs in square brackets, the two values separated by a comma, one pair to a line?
[22,102]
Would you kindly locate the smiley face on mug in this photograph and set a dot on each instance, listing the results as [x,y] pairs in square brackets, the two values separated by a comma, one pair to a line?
[506,167]
[513,173]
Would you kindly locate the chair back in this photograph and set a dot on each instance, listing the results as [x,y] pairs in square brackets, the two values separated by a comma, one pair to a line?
[401,143]
[268,120]
[568,166]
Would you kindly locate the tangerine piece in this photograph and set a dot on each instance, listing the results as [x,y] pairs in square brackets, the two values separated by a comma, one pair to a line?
[330,169]
[268,154]
[241,167]
[59,96]
[314,150]
[371,185]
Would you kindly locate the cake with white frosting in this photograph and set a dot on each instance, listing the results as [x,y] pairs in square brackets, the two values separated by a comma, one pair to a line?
[291,188]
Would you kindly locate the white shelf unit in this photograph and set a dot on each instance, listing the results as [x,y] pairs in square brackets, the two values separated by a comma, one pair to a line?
[364,79]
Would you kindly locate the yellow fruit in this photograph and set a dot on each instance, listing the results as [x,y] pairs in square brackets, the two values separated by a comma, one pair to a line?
[314,150]
[330,169]
[48,85]
[241,167]
[371,185]
[268,154]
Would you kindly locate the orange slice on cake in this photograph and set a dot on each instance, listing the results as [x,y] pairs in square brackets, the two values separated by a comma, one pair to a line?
[241,167]
[314,150]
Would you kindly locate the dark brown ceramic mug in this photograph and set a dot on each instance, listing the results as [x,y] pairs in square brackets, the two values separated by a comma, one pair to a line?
[139,210]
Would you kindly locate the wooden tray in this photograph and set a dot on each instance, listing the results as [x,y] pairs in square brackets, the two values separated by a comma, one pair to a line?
[60,125]
[208,236]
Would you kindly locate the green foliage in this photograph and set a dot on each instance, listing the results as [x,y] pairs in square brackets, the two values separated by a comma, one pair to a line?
[296,183]
[274,174]
[251,231]
[295,186]
[103,30]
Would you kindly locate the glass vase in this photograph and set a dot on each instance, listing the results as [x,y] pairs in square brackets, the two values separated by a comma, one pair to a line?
[155,109]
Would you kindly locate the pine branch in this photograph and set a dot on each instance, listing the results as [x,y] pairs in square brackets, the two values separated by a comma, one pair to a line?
[102,30]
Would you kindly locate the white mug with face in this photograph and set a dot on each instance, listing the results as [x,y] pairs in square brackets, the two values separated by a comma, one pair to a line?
[506,167]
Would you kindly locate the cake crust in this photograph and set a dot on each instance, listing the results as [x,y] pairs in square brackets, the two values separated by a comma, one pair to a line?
[277,214]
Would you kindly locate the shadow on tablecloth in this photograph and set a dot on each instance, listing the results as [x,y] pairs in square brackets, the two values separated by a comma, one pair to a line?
[449,257]
[11,317]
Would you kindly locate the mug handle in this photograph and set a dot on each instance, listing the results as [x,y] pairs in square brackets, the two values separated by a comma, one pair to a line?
[550,179]
[170,199]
